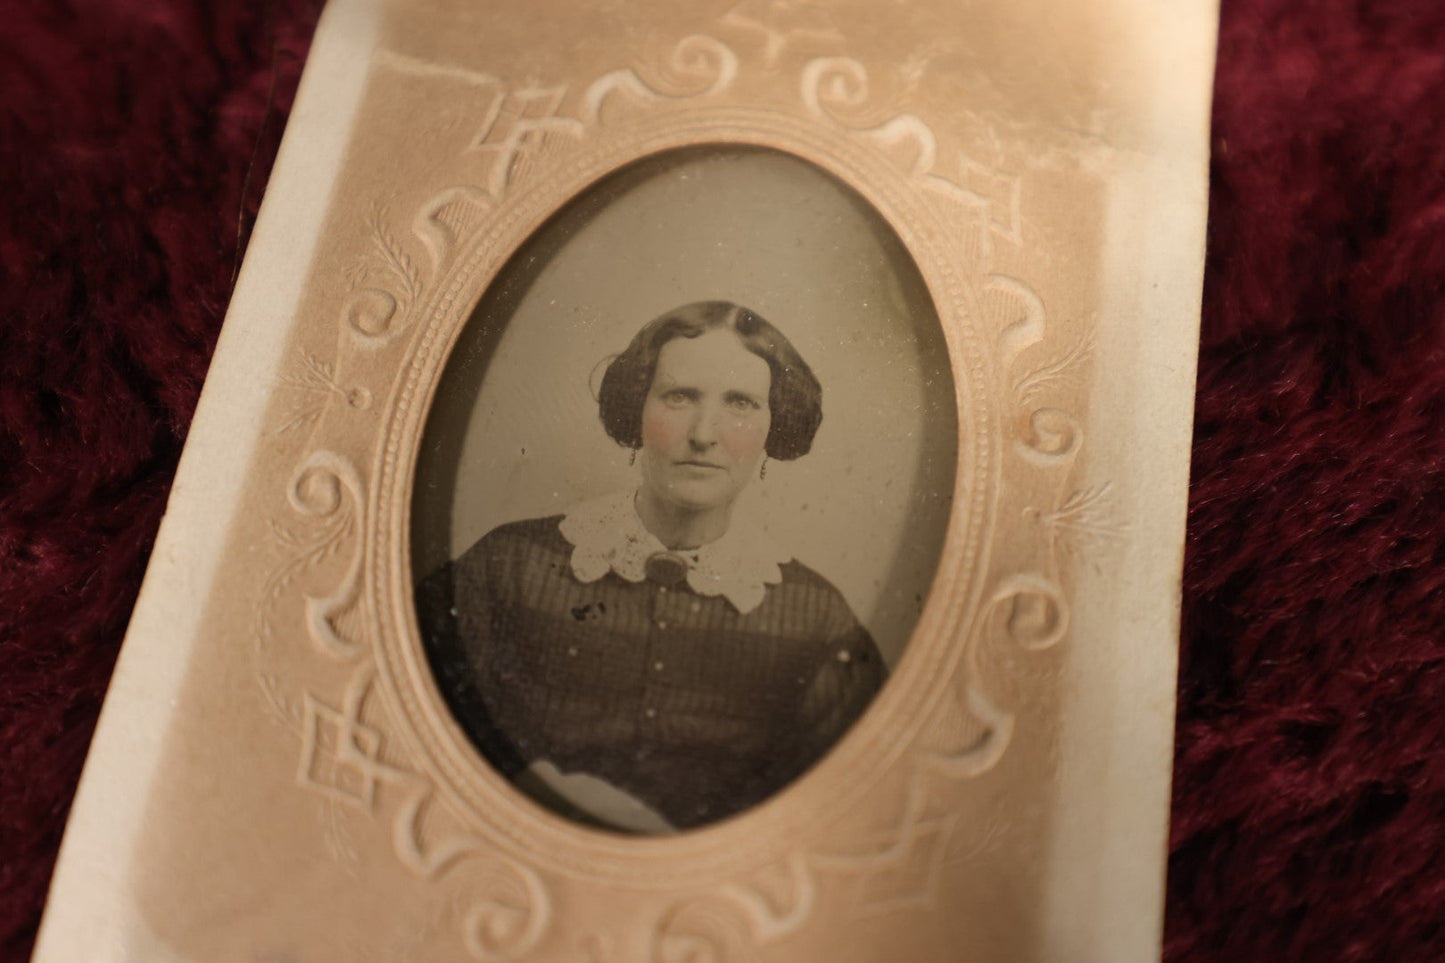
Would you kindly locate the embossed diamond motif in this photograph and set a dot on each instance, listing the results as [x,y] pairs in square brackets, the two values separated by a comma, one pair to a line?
[781,22]
[909,877]
[998,194]
[516,123]
[340,755]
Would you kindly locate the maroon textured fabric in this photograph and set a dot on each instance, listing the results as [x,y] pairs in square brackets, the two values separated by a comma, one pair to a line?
[135,139]
[1309,797]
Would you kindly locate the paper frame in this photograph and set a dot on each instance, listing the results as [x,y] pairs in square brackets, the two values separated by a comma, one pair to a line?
[926,724]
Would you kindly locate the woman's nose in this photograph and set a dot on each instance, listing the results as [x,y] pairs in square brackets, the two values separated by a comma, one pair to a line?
[703,431]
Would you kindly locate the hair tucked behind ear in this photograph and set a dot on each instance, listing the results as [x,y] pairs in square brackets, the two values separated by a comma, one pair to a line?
[795,398]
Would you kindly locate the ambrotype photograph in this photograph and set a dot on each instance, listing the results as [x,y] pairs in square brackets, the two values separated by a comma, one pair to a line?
[683,488]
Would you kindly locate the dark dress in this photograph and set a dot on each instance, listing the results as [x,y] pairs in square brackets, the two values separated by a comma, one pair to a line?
[676,698]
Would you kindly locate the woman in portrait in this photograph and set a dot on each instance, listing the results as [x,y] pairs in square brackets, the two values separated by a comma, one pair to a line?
[650,661]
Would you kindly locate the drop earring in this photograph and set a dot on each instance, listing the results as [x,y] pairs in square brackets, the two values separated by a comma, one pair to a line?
[632,458]
[763,469]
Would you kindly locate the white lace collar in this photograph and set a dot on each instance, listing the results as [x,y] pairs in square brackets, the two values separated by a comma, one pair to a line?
[607,535]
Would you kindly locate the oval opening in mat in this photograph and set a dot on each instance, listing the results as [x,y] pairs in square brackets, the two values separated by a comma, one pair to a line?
[683,488]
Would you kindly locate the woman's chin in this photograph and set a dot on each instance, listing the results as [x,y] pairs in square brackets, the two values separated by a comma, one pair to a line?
[696,495]
[698,505]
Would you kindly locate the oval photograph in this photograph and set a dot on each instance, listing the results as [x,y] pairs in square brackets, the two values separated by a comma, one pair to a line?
[683,488]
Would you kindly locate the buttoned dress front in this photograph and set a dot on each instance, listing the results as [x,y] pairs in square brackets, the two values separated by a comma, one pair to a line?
[675,697]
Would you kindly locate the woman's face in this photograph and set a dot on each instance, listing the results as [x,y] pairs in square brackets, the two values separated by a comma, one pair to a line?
[705,421]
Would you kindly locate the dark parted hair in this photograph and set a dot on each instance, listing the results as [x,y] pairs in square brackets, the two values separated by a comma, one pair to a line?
[795,398]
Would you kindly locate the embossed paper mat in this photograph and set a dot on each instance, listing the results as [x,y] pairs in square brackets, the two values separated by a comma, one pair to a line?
[1310,774]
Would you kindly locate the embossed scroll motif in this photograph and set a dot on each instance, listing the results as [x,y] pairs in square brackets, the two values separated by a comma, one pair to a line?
[344,755]
[835,89]
[1027,610]
[355,754]
[387,286]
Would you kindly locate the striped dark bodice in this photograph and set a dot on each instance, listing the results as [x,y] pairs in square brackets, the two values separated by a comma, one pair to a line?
[677,698]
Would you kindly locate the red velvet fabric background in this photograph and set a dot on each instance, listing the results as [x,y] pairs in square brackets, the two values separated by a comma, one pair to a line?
[1309,800]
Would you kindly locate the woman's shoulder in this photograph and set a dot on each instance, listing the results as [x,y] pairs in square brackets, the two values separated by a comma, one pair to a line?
[798,574]
[849,647]
[525,537]
[805,587]
[527,529]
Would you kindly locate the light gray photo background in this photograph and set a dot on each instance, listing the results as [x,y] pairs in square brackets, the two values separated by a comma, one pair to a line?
[514,432]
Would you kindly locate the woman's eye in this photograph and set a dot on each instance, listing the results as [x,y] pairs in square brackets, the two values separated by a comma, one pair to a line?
[743,404]
[676,398]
